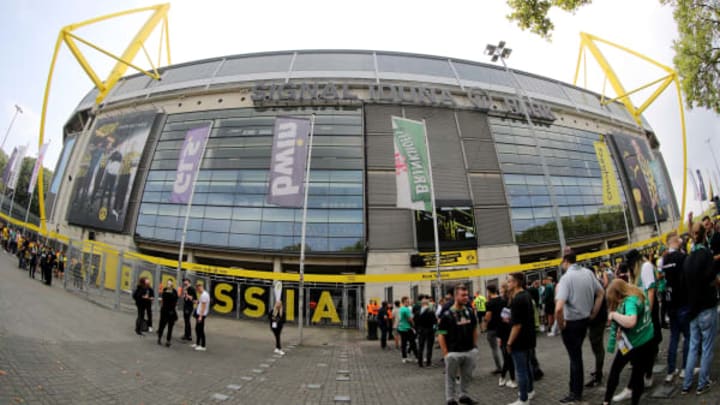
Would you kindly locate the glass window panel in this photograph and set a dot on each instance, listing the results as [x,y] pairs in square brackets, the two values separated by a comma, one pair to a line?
[166,221]
[165,234]
[250,227]
[277,243]
[317,244]
[574,200]
[410,64]
[193,237]
[334,201]
[277,228]
[200,199]
[247,213]
[538,190]
[214,239]
[333,61]
[577,210]
[540,200]
[216,225]
[542,212]
[244,241]
[279,214]
[348,176]
[346,230]
[345,245]
[318,215]
[348,216]
[145,231]
[522,213]
[514,179]
[521,225]
[517,190]
[564,211]
[195,224]
[520,201]
[315,230]
[149,209]
[148,220]
[250,200]
[218,212]
[256,64]
[535,180]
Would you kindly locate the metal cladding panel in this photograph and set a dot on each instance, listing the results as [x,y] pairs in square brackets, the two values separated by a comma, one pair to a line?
[377,118]
[381,189]
[493,226]
[488,190]
[380,151]
[481,155]
[390,228]
[449,176]
[474,125]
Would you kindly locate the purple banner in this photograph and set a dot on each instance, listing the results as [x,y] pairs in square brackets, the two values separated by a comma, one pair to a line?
[188,163]
[287,162]
[9,166]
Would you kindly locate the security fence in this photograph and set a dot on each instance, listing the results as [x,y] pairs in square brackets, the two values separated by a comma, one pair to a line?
[107,276]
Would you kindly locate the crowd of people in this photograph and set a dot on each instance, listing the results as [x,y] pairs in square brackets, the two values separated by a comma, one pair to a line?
[620,308]
[34,255]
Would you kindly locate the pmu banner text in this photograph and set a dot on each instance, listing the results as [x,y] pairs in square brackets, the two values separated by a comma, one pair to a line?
[189,160]
[412,169]
[287,162]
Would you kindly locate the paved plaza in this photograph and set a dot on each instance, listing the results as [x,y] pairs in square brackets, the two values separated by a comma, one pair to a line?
[58,348]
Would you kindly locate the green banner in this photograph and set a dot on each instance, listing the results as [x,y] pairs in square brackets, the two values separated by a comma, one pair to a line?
[412,168]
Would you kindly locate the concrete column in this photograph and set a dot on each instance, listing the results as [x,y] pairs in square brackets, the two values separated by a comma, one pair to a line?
[277,265]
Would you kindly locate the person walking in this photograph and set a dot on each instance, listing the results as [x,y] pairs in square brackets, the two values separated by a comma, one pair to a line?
[139,304]
[631,331]
[504,334]
[578,299]
[147,300]
[201,312]
[395,323]
[168,315]
[383,321]
[702,280]
[492,319]
[405,325]
[678,309]
[521,342]
[189,298]
[425,324]
[277,320]
[457,336]
[480,303]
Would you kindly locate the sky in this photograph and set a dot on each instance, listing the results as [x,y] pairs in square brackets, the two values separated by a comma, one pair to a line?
[458,29]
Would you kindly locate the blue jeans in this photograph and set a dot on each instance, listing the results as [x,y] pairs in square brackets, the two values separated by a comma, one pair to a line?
[523,373]
[679,323]
[704,327]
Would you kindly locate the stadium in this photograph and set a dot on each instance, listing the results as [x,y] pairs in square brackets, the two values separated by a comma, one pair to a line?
[497,190]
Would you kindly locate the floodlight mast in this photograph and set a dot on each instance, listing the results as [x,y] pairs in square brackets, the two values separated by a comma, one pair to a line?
[500,52]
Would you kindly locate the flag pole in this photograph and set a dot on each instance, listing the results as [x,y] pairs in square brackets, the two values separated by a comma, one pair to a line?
[627,228]
[434,216]
[27,211]
[301,285]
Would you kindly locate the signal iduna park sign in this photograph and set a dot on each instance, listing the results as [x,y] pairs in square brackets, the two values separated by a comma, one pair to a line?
[291,94]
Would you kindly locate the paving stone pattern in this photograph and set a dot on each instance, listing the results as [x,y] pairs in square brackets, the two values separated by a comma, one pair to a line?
[59,348]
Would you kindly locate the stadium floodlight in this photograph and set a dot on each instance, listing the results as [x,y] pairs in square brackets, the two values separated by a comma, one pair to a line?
[18,110]
[499,51]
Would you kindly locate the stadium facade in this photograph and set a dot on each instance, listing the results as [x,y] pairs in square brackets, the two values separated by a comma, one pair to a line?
[495,207]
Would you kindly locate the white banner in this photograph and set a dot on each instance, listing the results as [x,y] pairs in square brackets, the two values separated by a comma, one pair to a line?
[17,166]
[38,166]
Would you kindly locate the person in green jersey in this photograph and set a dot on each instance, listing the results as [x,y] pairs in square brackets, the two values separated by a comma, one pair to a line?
[631,332]
[479,304]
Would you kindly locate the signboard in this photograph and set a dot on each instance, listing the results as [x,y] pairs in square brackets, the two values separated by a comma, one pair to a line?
[412,166]
[107,171]
[611,193]
[447,259]
[286,187]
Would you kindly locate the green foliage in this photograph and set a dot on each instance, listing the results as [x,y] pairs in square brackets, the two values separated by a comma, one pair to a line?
[533,14]
[21,192]
[577,227]
[697,51]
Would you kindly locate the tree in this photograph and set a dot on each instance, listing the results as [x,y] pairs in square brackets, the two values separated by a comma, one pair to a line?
[697,50]
[22,196]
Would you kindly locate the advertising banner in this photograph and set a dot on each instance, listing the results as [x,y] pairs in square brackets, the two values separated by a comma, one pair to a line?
[412,171]
[107,171]
[611,193]
[703,194]
[38,165]
[16,167]
[9,166]
[456,228]
[447,259]
[287,162]
[189,161]
[635,157]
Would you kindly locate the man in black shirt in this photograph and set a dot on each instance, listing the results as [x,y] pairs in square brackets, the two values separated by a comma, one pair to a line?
[457,335]
[712,241]
[189,297]
[493,308]
[677,301]
[522,336]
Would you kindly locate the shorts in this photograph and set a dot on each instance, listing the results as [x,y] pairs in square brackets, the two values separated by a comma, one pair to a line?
[550,309]
[481,315]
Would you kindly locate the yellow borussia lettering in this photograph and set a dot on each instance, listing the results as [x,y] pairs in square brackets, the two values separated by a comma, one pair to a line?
[252,299]
[223,300]
[289,305]
[326,309]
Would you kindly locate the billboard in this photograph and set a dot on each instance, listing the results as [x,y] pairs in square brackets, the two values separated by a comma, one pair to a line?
[456,228]
[107,171]
[636,160]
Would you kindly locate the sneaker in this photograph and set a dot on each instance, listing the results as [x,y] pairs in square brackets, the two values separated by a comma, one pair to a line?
[511,384]
[467,401]
[280,352]
[276,351]
[696,371]
[519,402]
[194,346]
[682,374]
[150,329]
[706,388]
[624,395]
[671,376]
[200,349]
[452,402]
[502,382]
[594,382]
[531,395]
[570,399]
[551,334]
[685,391]
[648,382]
[404,361]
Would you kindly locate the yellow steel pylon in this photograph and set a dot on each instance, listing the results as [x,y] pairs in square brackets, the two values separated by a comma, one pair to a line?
[589,42]
[159,14]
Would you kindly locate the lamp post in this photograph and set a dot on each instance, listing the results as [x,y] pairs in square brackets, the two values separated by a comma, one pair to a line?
[18,110]
[500,52]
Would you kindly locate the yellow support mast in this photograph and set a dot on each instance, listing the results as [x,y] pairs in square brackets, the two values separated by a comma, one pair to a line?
[588,43]
[159,15]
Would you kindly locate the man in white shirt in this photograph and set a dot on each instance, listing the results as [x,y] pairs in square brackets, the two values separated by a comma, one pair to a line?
[201,312]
